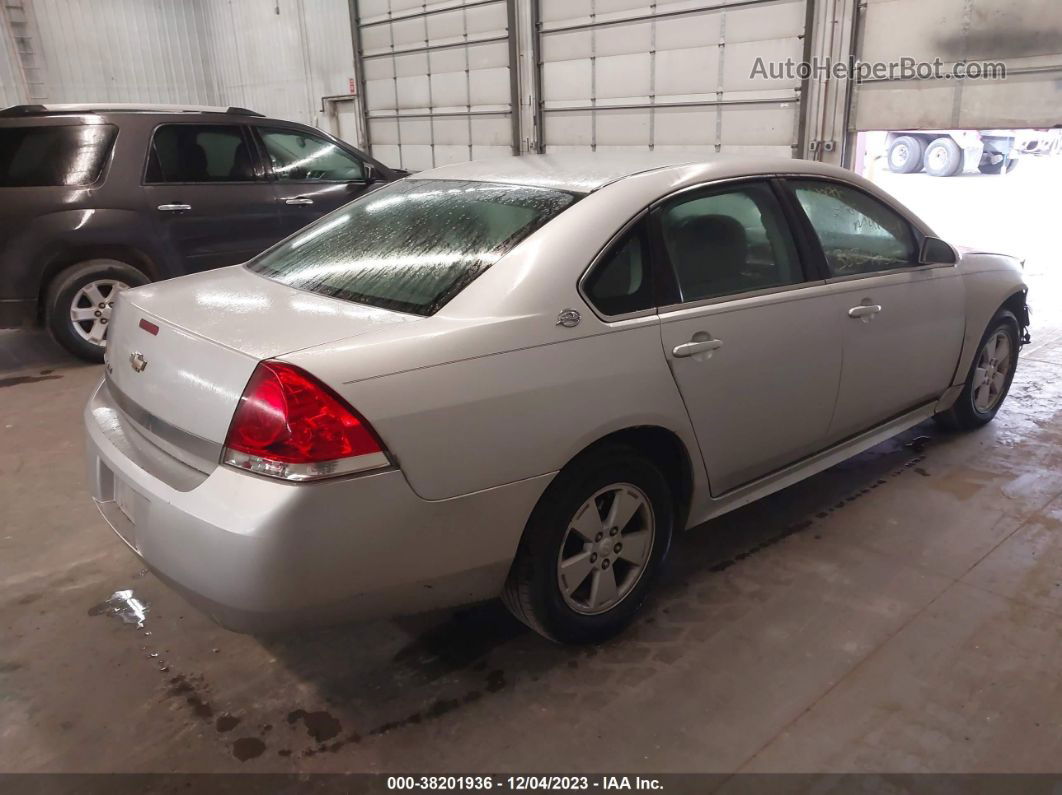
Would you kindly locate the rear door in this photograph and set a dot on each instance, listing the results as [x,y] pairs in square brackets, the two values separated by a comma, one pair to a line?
[209,197]
[903,323]
[748,335]
[313,175]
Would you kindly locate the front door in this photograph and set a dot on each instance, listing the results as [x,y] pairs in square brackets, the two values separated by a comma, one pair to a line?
[903,322]
[313,174]
[210,201]
[753,349]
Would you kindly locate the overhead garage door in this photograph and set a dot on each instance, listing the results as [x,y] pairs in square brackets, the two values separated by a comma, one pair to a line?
[665,75]
[437,82]
[1026,36]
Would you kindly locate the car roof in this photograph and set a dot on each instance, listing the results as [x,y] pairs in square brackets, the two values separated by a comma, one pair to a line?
[585,172]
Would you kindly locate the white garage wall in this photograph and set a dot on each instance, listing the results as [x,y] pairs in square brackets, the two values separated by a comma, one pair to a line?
[9,90]
[279,57]
[122,51]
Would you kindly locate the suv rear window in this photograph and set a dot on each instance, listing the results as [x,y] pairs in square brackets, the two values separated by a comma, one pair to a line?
[68,155]
[412,245]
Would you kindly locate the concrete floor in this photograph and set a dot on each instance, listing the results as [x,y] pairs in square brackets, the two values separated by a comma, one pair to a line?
[899,612]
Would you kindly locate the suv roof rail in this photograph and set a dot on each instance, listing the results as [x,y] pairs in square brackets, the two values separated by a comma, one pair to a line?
[119,107]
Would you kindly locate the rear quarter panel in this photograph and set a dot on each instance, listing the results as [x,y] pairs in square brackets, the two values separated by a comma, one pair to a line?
[469,425]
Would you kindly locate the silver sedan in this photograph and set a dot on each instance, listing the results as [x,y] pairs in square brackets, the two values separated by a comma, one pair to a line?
[521,377]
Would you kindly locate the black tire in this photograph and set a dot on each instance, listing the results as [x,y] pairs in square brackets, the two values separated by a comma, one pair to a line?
[943,158]
[964,414]
[906,155]
[533,593]
[998,168]
[64,291]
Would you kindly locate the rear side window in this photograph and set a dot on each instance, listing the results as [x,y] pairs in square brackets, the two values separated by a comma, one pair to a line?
[620,282]
[729,241]
[412,245]
[54,156]
[200,153]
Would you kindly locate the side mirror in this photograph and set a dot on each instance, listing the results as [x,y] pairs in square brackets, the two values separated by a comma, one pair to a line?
[936,252]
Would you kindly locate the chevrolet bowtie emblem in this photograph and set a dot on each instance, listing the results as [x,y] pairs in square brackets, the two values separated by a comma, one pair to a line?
[136,358]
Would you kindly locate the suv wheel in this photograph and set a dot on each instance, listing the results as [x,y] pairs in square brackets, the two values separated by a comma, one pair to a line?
[593,547]
[79,301]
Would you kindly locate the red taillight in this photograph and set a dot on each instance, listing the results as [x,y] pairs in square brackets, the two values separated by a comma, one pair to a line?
[289,425]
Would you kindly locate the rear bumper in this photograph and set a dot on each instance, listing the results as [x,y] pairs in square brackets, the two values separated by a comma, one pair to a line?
[260,555]
[17,313]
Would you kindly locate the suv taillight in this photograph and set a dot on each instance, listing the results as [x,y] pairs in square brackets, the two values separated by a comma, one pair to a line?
[289,425]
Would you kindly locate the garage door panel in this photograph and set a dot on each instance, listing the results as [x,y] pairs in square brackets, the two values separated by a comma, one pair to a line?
[622,128]
[740,59]
[700,32]
[565,80]
[437,79]
[688,71]
[623,76]
[612,72]
[1026,36]
[757,125]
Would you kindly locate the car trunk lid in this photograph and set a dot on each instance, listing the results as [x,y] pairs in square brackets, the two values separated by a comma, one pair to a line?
[179,354]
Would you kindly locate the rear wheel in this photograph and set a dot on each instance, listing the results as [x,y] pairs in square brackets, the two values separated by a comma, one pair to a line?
[990,376]
[905,155]
[79,302]
[593,547]
[943,158]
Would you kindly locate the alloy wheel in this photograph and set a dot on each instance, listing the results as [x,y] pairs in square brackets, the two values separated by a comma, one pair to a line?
[990,375]
[606,549]
[90,310]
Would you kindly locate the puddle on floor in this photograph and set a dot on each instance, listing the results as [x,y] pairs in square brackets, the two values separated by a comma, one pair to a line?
[126,606]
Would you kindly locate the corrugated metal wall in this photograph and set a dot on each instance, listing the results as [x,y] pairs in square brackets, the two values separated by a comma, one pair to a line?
[121,51]
[275,56]
[279,57]
[9,91]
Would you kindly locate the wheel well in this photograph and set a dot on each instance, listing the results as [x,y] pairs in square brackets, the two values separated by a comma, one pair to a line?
[664,449]
[1016,304]
[70,257]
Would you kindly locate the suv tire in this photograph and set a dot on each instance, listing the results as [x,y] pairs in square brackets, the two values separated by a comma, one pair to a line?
[78,304]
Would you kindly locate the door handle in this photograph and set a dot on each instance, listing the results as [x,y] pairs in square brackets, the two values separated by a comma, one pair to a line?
[174,208]
[699,346]
[864,312]
[299,200]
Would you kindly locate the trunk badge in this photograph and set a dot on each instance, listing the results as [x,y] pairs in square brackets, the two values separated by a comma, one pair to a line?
[137,360]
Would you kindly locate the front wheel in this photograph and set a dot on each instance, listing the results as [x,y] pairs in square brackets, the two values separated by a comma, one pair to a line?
[593,547]
[79,303]
[990,376]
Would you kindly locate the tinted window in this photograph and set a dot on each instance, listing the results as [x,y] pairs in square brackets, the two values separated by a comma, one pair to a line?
[297,157]
[411,245]
[729,241]
[620,282]
[53,156]
[200,153]
[858,234]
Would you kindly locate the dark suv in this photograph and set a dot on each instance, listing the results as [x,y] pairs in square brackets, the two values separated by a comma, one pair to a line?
[96,198]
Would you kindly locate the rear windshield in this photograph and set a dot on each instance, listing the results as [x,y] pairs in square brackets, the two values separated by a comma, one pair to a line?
[70,155]
[412,245]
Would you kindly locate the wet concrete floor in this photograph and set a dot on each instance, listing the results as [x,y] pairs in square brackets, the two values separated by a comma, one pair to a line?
[899,612]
